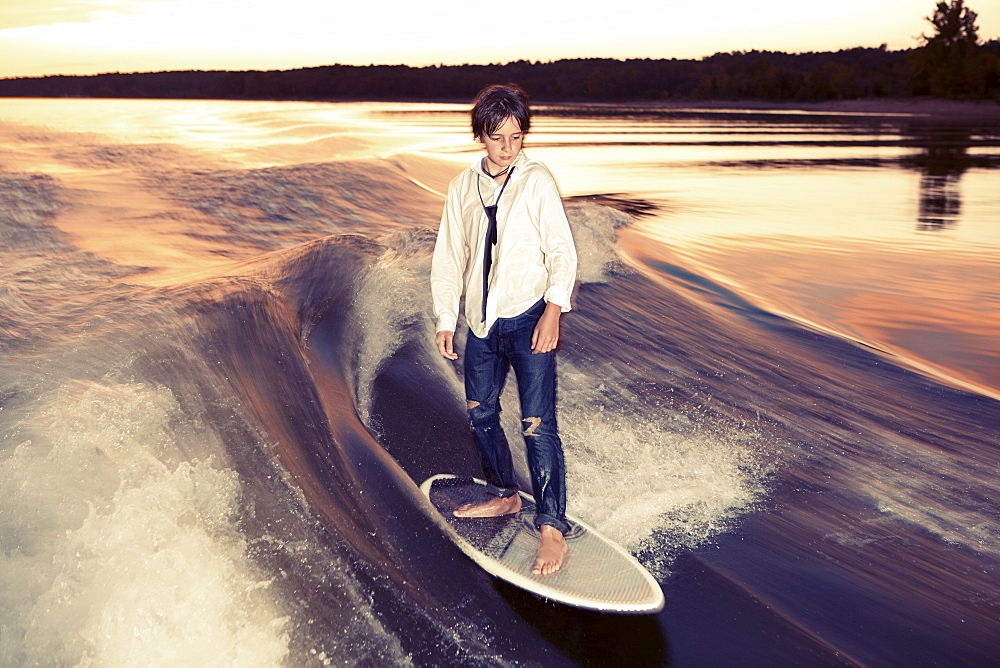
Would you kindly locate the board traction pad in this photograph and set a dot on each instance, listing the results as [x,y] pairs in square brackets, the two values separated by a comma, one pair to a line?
[597,574]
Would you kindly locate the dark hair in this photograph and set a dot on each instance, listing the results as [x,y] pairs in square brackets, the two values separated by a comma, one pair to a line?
[494,104]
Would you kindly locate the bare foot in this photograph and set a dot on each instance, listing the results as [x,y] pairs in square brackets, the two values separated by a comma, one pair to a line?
[495,507]
[551,552]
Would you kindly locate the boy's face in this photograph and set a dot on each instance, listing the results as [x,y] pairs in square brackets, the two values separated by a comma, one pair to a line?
[503,145]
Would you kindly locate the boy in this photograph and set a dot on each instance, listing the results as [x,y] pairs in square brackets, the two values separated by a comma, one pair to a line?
[505,243]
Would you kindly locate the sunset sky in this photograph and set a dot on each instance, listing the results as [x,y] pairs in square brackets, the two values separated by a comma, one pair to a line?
[40,37]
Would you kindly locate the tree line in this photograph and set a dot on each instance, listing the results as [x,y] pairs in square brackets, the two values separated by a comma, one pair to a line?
[950,64]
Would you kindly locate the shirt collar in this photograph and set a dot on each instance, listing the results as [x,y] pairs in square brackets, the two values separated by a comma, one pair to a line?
[519,161]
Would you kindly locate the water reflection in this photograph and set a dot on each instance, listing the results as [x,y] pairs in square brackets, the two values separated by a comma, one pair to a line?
[942,161]
[941,151]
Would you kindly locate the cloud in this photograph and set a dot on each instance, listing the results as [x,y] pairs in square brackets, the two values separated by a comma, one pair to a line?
[29,13]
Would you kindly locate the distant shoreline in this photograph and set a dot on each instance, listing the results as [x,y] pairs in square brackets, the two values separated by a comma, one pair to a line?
[850,81]
[919,106]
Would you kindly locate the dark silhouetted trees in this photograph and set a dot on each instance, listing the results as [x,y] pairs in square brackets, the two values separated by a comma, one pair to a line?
[762,75]
[951,62]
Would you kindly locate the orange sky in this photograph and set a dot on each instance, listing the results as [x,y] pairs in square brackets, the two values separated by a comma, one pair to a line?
[40,37]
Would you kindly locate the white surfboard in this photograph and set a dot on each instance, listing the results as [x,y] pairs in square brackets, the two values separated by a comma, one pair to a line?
[597,574]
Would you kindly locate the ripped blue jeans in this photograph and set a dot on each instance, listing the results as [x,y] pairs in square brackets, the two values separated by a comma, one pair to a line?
[487,361]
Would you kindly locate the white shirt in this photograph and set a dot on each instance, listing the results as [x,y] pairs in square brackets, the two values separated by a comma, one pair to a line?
[534,257]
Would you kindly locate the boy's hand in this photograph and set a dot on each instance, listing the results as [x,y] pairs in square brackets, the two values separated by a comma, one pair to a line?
[445,341]
[545,338]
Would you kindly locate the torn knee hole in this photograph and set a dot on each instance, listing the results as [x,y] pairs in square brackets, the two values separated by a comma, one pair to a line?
[532,423]
[472,404]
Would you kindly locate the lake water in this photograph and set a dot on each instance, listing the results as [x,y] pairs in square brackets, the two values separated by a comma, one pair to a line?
[779,386]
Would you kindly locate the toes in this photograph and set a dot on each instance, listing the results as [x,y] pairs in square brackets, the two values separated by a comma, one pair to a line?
[545,568]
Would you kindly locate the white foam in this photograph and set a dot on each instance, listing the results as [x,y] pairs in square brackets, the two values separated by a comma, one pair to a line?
[630,479]
[389,296]
[654,480]
[116,551]
[594,235]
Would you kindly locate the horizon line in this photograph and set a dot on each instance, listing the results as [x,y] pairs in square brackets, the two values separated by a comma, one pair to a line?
[882,47]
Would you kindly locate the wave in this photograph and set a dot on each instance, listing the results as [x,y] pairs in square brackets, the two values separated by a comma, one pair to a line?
[226,466]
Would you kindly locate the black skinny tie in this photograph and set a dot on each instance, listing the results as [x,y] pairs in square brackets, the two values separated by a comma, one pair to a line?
[491,238]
